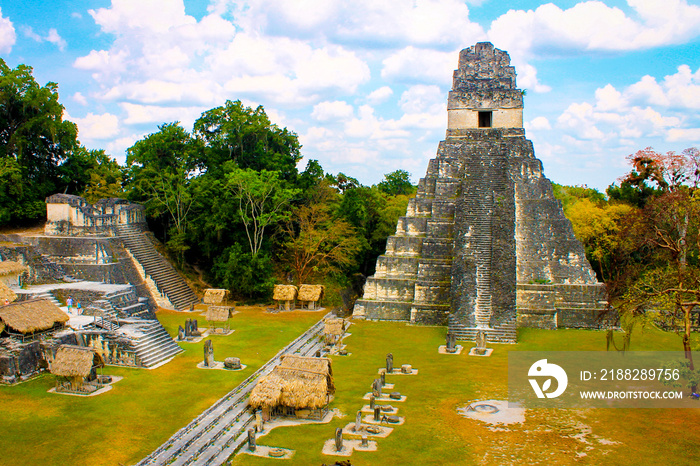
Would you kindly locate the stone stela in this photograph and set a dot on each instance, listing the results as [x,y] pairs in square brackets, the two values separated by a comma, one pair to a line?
[208,354]
[484,245]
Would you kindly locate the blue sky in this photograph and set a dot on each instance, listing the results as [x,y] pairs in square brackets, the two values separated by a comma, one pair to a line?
[364,84]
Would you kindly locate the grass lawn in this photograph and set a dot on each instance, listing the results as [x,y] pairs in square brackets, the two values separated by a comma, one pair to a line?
[148,406]
[143,409]
[435,434]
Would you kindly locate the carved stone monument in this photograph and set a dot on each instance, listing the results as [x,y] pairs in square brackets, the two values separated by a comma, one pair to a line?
[338,439]
[191,328]
[480,349]
[451,342]
[377,413]
[484,243]
[377,388]
[382,378]
[208,354]
[371,401]
[389,363]
[358,421]
[251,440]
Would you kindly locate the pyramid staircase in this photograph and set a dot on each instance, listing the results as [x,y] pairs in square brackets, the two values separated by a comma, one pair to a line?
[152,343]
[167,279]
[412,279]
[505,333]
[46,295]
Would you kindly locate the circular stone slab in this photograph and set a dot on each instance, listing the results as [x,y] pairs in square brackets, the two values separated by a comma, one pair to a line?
[276,453]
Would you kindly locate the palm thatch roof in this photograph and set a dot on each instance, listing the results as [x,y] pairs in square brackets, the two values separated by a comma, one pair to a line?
[310,292]
[298,382]
[334,326]
[32,315]
[75,361]
[218,313]
[6,293]
[11,267]
[214,296]
[285,293]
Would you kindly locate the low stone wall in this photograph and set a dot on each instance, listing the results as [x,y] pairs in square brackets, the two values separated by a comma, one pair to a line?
[563,305]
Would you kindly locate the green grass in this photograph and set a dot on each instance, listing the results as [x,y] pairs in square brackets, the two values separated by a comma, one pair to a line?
[143,409]
[435,434]
[147,407]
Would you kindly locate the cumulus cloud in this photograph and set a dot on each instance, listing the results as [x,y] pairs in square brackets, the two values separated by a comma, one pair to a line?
[80,98]
[592,25]
[380,95]
[422,98]
[636,111]
[330,111]
[52,37]
[420,66]
[56,39]
[92,126]
[154,114]
[436,23]
[538,123]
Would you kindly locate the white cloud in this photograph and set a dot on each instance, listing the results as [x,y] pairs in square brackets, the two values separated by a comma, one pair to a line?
[423,98]
[538,123]
[148,16]
[592,25]
[380,95]
[91,127]
[678,134]
[52,36]
[29,32]
[56,39]
[420,65]
[330,111]
[143,114]
[613,119]
[371,24]
[80,98]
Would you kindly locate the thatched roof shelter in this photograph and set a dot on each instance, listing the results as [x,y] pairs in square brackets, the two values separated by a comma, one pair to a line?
[214,296]
[75,361]
[33,315]
[6,293]
[298,382]
[285,293]
[334,326]
[11,268]
[218,313]
[310,292]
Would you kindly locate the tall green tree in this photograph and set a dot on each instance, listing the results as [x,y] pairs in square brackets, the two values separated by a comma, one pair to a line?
[318,243]
[667,286]
[160,170]
[262,200]
[234,132]
[396,183]
[34,142]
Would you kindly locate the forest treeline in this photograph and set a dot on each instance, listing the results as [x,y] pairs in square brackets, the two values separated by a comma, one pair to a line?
[225,197]
[228,199]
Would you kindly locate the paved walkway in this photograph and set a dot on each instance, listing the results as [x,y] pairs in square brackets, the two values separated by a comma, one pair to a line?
[219,431]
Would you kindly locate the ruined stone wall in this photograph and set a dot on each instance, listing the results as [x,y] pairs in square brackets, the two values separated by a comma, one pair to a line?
[69,215]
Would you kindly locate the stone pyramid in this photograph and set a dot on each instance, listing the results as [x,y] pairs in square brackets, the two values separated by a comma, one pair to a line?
[484,245]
